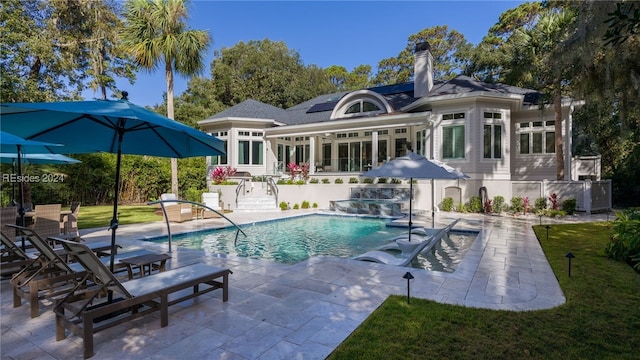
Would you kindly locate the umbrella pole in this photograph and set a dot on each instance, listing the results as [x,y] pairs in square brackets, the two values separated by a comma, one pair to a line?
[433,206]
[114,220]
[21,209]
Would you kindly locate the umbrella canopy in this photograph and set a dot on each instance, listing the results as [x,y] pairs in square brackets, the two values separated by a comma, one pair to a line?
[414,166]
[118,127]
[10,143]
[10,158]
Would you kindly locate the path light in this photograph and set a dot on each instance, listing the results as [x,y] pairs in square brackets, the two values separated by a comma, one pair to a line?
[547,227]
[569,256]
[540,216]
[408,276]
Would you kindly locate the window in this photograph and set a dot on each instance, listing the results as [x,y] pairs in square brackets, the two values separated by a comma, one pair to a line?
[492,136]
[537,137]
[453,116]
[256,152]
[453,142]
[362,107]
[401,148]
[243,152]
[220,160]
[326,154]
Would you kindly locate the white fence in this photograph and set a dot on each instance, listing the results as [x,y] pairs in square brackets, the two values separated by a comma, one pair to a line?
[591,196]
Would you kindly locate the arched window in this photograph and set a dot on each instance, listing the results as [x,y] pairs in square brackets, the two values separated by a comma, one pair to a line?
[361,103]
[362,106]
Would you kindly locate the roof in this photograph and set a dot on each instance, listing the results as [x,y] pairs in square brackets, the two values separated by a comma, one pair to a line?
[319,109]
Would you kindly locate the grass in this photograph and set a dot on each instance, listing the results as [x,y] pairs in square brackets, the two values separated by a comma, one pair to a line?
[100,216]
[600,320]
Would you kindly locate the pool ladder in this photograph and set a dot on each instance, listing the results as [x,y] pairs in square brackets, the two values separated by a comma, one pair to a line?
[166,218]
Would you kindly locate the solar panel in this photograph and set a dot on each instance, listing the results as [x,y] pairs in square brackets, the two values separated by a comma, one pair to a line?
[325,106]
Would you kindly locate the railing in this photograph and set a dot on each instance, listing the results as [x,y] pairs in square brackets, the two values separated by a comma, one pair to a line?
[242,186]
[166,218]
[272,188]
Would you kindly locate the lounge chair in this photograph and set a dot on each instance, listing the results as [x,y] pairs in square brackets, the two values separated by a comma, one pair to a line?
[417,234]
[8,215]
[47,274]
[13,257]
[387,258]
[87,312]
[176,212]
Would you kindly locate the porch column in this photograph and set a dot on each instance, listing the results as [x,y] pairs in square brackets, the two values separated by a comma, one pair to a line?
[312,155]
[567,148]
[374,149]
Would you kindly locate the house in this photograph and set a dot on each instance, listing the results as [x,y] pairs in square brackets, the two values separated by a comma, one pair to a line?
[497,134]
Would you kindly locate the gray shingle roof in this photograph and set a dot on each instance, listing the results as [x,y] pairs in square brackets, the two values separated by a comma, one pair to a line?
[398,95]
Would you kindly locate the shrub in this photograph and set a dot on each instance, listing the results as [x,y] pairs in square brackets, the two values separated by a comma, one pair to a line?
[315,205]
[555,201]
[220,174]
[353,180]
[296,206]
[525,205]
[447,204]
[487,208]
[475,204]
[300,182]
[498,203]
[305,204]
[382,180]
[325,181]
[314,181]
[516,204]
[396,181]
[625,241]
[368,180]
[569,206]
[338,181]
[284,206]
[193,194]
[541,204]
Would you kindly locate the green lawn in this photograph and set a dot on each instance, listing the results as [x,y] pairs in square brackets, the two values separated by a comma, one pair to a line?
[600,320]
[100,216]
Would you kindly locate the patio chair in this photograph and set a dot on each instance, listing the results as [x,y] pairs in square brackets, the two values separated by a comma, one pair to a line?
[176,212]
[419,234]
[48,275]
[47,222]
[87,312]
[387,258]
[70,225]
[8,215]
[210,199]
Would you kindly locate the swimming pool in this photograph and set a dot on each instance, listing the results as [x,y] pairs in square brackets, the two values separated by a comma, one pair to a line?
[296,239]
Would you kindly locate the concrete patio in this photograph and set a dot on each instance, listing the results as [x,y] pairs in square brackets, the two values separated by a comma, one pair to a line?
[300,311]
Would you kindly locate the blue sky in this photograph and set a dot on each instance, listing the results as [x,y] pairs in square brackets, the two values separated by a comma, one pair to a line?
[324,33]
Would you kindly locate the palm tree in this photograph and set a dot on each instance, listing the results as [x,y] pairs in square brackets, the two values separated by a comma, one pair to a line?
[156,32]
[539,61]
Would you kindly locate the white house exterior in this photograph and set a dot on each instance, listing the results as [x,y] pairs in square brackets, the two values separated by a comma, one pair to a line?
[497,134]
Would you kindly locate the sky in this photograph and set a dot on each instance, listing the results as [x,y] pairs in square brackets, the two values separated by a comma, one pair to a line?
[324,33]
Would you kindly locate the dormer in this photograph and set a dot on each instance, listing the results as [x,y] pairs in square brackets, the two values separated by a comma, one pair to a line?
[361,103]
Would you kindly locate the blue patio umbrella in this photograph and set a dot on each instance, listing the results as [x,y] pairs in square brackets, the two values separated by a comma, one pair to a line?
[414,166]
[118,127]
[11,143]
[37,159]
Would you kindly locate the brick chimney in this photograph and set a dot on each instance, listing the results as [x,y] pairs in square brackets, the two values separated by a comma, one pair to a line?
[423,70]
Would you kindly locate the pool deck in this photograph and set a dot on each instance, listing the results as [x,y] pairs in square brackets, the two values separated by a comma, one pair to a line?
[300,311]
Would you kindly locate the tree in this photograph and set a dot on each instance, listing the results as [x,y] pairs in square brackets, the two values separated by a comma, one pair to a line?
[343,80]
[156,32]
[448,48]
[47,48]
[265,71]
[527,48]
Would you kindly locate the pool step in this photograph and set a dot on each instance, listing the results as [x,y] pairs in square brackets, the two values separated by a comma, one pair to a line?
[256,202]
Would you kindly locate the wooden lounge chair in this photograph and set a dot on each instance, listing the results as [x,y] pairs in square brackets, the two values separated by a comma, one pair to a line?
[70,225]
[87,312]
[48,275]
[8,215]
[212,200]
[13,257]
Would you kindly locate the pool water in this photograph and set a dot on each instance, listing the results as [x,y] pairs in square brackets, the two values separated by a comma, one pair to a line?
[290,241]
